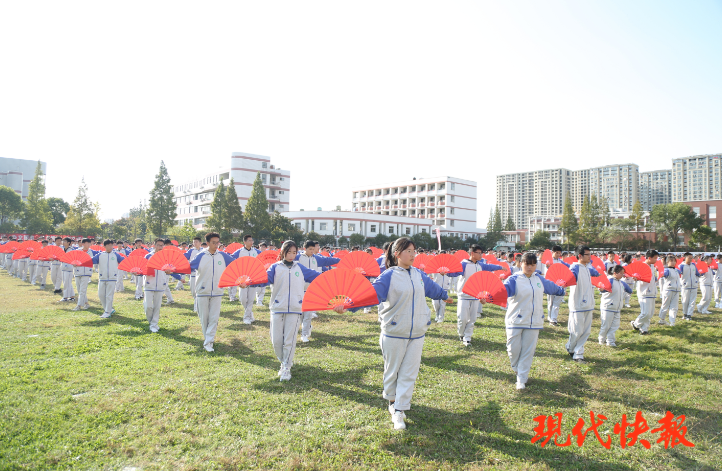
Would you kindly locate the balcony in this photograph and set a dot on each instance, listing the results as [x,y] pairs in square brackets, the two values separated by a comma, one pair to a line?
[386,207]
[412,205]
[421,205]
[431,204]
[403,206]
[396,206]
[442,203]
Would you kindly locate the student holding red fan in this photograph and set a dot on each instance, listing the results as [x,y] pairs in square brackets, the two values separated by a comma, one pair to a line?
[311,260]
[671,287]
[689,273]
[288,278]
[581,304]
[705,286]
[108,274]
[468,307]
[611,305]
[66,271]
[646,295]
[155,283]
[525,315]
[555,302]
[245,295]
[717,280]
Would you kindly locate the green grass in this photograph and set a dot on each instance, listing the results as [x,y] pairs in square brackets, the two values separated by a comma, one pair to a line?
[80,392]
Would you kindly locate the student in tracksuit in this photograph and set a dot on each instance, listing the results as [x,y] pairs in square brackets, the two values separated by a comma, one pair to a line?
[611,305]
[155,283]
[167,292]
[43,268]
[705,285]
[67,274]
[646,294]
[554,302]
[21,268]
[245,295]
[32,269]
[671,285]
[717,280]
[444,282]
[689,274]
[581,304]
[56,274]
[626,260]
[525,315]
[82,278]
[609,262]
[261,292]
[123,252]
[108,273]
[289,279]
[138,279]
[467,310]
[209,266]
[313,261]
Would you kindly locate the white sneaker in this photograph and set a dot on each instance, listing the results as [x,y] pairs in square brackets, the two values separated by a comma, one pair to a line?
[661,322]
[105,316]
[246,321]
[304,338]
[76,308]
[314,315]
[86,306]
[611,344]
[286,374]
[520,385]
[601,341]
[627,305]
[208,348]
[366,310]
[398,420]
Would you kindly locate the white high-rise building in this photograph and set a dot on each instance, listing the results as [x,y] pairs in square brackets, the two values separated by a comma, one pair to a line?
[655,188]
[18,173]
[696,178]
[193,198]
[527,194]
[619,184]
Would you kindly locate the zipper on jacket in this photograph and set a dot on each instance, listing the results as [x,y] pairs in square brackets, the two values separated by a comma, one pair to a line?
[413,292]
[531,319]
[288,306]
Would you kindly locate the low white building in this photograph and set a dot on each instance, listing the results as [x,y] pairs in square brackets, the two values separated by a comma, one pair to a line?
[18,173]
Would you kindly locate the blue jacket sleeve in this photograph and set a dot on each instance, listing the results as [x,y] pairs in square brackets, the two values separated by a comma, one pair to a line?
[382,284]
[490,267]
[308,275]
[118,257]
[566,264]
[326,261]
[236,253]
[552,288]
[187,255]
[176,276]
[197,260]
[575,270]
[592,271]
[510,285]
[666,273]
[227,257]
[627,287]
[96,259]
[431,289]
[271,272]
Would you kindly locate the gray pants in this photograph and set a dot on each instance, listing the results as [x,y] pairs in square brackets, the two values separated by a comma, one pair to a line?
[554,303]
[32,267]
[119,283]
[56,276]
[402,359]
[138,286]
[152,302]
[521,345]
[703,305]
[609,327]
[42,275]
[440,309]
[209,311]
[284,331]
[168,293]
[106,291]
[68,291]
[81,282]
[247,296]
[689,296]
[717,292]
[670,303]
[647,307]
[466,313]
[580,326]
[306,324]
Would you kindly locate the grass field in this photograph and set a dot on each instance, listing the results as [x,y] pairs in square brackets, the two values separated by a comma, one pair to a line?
[80,392]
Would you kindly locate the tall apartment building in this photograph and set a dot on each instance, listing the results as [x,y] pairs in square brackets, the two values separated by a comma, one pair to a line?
[193,198]
[18,173]
[619,184]
[538,193]
[447,202]
[655,188]
[696,178]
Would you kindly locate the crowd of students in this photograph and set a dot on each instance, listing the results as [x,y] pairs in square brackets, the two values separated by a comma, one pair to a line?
[401,289]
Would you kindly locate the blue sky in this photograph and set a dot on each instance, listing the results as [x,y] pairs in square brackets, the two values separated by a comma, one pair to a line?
[347,93]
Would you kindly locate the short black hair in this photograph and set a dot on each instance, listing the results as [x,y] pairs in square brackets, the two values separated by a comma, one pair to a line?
[611,252]
[651,253]
[198,239]
[211,235]
[107,242]
[246,237]
[167,242]
[138,240]
[68,240]
[204,244]
[158,240]
[263,244]
[581,249]
[475,247]
[687,254]
[309,243]
[556,248]
[529,258]
[86,240]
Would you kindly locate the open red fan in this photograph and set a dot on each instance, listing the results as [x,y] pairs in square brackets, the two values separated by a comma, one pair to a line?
[174,242]
[172,260]
[10,247]
[138,253]
[491,259]
[443,264]
[77,258]
[560,275]
[52,252]
[702,267]
[660,268]
[571,260]
[361,262]
[341,254]
[173,248]
[21,254]
[97,247]
[547,257]
[377,252]
[598,264]
[37,255]
[602,282]
[616,259]
[134,265]
[267,258]
[30,246]
[421,260]
[639,270]
[339,287]
[505,271]
[245,270]
[713,263]
[230,248]
[325,254]
[484,285]
[462,255]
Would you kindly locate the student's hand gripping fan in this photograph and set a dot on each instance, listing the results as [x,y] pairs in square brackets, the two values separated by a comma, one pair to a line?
[462,255]
[338,290]
[487,287]
[602,282]
[135,265]
[560,275]
[362,263]
[232,247]
[505,271]
[639,271]
[52,252]
[547,258]
[421,260]
[243,272]
[169,261]
[77,258]
[443,264]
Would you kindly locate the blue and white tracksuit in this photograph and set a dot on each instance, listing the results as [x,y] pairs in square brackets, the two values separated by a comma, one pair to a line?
[245,295]
[555,302]
[315,263]
[689,276]
[717,282]
[646,294]
[611,306]
[581,308]
[405,317]
[468,309]
[525,318]
[42,272]
[445,282]
[82,279]
[288,286]
[66,272]
[208,269]
[671,287]
[705,285]
[108,274]
[155,283]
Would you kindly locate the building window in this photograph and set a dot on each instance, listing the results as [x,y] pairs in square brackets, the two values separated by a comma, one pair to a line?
[713,212]
[373,228]
[451,210]
[322,226]
[452,186]
[391,229]
[408,231]
[713,225]
[423,229]
[351,227]
[696,210]
[298,225]
[264,164]
[451,222]
[452,196]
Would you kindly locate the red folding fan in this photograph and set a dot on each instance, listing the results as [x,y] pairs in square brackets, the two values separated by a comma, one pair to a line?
[702,267]
[660,268]
[639,270]
[491,259]
[484,285]
[713,263]
[267,258]
[52,252]
[233,247]
[325,254]
[505,271]
[462,255]
[602,282]
[30,246]
[10,247]
[362,263]
[37,255]
[174,242]
[616,259]
[341,254]
[571,260]
[598,264]
[97,247]
[172,260]
[134,265]
[421,260]
[138,253]
[77,258]
[560,275]
[173,248]
[339,287]
[547,257]
[443,264]
[21,254]
[377,252]
[245,270]
[680,261]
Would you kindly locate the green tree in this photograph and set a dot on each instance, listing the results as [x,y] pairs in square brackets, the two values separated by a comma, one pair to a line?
[356,239]
[59,209]
[498,226]
[702,237]
[217,221]
[671,219]
[11,206]
[587,231]
[605,215]
[83,215]
[509,224]
[183,233]
[161,210]
[256,215]
[619,232]
[234,214]
[422,240]
[136,220]
[637,216]
[38,218]
[541,240]
[569,224]
[282,229]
